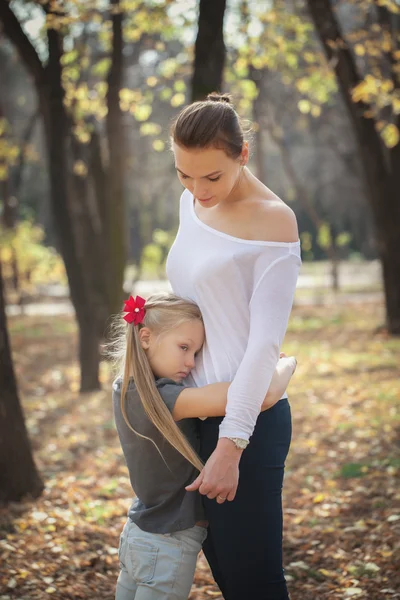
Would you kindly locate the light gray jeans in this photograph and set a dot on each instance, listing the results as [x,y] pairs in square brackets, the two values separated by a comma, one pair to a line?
[157,566]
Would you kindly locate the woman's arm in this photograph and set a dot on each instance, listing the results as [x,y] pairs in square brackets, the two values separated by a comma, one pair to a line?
[270,308]
[210,400]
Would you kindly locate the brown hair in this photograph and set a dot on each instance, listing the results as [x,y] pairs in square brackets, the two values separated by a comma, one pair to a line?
[211,123]
[164,312]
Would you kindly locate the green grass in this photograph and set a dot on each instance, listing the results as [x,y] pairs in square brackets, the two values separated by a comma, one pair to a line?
[351,470]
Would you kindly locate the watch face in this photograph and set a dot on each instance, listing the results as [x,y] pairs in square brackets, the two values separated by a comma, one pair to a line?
[239,443]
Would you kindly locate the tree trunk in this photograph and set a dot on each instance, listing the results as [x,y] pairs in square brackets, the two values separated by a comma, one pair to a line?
[90,226]
[209,58]
[89,352]
[74,239]
[381,165]
[18,474]
[115,213]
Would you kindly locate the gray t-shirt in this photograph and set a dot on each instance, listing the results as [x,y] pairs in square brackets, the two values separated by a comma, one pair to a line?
[162,505]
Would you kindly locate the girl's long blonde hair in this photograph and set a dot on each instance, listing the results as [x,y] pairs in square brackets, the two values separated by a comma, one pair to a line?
[164,312]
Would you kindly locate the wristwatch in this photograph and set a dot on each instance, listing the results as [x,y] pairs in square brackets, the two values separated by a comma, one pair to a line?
[239,442]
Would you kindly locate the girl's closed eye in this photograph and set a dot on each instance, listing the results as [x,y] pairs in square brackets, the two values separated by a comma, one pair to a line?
[215,178]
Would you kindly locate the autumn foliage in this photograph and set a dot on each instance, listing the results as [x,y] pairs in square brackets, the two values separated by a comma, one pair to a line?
[341,503]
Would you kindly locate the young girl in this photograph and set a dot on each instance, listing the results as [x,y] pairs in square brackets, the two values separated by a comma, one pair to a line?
[166,526]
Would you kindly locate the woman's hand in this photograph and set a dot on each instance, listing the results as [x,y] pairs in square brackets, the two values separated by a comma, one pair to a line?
[220,476]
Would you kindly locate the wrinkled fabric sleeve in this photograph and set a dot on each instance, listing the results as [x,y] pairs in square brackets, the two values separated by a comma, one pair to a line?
[169,391]
[270,307]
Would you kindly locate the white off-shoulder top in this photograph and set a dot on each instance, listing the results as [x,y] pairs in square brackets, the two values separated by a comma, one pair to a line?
[245,291]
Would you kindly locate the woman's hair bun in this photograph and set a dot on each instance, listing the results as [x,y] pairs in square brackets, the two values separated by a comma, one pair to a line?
[215,97]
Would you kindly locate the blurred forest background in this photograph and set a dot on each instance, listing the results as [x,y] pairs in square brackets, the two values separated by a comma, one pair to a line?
[89,209]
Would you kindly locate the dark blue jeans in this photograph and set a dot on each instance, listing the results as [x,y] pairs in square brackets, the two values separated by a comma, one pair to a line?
[244,542]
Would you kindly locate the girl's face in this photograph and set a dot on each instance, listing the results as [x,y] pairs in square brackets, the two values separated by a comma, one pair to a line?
[208,173]
[172,354]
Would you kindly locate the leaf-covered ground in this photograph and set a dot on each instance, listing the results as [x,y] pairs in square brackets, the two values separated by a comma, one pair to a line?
[342,500]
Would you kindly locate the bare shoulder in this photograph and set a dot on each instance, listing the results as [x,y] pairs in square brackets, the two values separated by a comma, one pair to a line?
[275,221]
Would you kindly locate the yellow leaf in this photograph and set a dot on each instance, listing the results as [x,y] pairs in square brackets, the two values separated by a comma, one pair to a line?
[316,111]
[158,145]
[396,105]
[327,573]
[298,520]
[387,85]
[319,498]
[390,135]
[3,172]
[80,168]
[385,553]
[386,44]
[309,57]
[359,49]
[359,92]
[177,100]
[303,85]
[23,574]
[304,106]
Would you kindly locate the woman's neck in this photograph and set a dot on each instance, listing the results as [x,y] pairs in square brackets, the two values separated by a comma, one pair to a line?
[243,187]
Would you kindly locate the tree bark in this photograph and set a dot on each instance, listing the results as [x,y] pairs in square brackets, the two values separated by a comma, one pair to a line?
[89,222]
[381,165]
[115,213]
[209,50]
[18,474]
[58,133]
[73,237]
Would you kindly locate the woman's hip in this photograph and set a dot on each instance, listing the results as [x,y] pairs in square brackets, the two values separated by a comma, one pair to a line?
[269,443]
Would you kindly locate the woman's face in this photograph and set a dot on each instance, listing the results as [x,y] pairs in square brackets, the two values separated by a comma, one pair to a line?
[208,173]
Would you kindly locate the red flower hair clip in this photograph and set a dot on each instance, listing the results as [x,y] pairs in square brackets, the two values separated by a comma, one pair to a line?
[135,309]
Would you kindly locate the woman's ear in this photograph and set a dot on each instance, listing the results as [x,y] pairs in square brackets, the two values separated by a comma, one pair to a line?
[244,157]
[144,337]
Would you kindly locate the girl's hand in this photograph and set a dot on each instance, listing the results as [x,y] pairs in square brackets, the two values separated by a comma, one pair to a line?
[220,476]
[283,355]
[280,380]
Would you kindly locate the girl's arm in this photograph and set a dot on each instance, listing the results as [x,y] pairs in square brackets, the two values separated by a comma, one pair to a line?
[210,400]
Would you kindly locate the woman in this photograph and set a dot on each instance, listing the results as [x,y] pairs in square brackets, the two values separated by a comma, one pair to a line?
[237,255]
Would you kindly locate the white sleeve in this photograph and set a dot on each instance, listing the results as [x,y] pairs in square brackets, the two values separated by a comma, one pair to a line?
[270,307]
